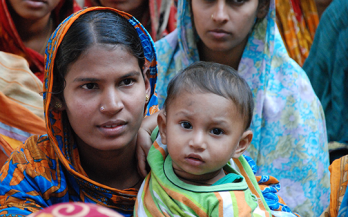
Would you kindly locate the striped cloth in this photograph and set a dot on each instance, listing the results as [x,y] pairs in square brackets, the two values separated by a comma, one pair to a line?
[164,194]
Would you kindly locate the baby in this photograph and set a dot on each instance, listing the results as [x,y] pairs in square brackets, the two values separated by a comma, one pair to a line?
[205,122]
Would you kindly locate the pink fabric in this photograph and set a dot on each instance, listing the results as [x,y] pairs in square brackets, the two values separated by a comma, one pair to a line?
[77,209]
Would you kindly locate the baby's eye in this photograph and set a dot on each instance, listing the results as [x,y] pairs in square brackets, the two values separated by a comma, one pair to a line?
[127,81]
[90,86]
[186,125]
[217,131]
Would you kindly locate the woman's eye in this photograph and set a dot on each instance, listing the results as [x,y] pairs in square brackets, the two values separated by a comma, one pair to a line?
[90,86]
[186,125]
[217,131]
[127,81]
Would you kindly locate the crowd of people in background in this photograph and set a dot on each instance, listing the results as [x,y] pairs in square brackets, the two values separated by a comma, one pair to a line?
[70,133]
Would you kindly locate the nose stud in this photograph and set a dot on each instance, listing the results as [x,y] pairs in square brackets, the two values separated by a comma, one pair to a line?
[212,16]
[102,108]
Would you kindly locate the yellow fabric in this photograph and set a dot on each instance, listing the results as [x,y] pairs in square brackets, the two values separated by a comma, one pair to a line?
[12,142]
[297,21]
[338,182]
[19,84]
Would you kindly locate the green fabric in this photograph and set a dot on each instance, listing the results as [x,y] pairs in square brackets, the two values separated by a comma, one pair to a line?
[327,68]
[173,197]
[154,134]
[170,175]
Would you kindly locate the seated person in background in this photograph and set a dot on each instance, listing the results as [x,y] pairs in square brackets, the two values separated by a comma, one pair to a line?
[25,27]
[21,105]
[327,69]
[205,123]
[158,17]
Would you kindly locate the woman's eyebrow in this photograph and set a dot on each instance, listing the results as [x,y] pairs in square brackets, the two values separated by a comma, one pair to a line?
[130,74]
[79,79]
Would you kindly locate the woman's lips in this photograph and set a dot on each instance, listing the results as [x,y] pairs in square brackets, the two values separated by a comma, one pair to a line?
[112,128]
[36,3]
[219,34]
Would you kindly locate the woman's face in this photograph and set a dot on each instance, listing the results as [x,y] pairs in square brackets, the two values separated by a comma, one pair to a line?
[33,9]
[224,25]
[124,5]
[105,98]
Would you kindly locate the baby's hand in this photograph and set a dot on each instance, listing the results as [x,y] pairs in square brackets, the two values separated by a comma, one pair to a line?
[144,143]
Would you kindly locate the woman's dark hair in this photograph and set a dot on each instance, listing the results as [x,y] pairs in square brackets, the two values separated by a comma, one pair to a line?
[94,27]
[208,77]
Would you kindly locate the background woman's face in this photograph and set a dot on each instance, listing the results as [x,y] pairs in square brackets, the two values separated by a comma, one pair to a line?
[124,5]
[33,9]
[223,25]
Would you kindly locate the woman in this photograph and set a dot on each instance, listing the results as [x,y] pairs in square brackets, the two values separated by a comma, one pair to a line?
[288,124]
[25,27]
[94,104]
[327,67]
[158,16]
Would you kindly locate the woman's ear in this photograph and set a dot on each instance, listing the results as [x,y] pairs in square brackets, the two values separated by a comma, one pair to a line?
[243,144]
[57,104]
[146,73]
[162,126]
[263,8]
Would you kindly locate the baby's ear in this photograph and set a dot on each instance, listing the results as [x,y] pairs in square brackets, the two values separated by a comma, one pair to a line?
[57,104]
[243,143]
[162,126]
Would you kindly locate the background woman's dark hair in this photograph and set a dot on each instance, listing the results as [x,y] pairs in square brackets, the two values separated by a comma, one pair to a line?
[264,5]
[95,27]
[219,79]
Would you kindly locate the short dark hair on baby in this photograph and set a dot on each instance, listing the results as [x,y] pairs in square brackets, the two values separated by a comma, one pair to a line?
[208,77]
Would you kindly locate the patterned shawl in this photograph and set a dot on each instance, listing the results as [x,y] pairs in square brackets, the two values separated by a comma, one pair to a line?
[161,20]
[11,42]
[46,170]
[290,141]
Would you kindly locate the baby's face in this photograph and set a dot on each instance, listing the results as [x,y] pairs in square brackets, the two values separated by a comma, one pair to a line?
[202,132]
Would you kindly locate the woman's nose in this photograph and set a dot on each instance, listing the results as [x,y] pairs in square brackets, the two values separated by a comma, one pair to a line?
[198,141]
[111,102]
[220,12]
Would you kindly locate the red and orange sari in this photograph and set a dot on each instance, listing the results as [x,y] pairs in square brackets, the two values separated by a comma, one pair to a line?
[297,21]
[11,42]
